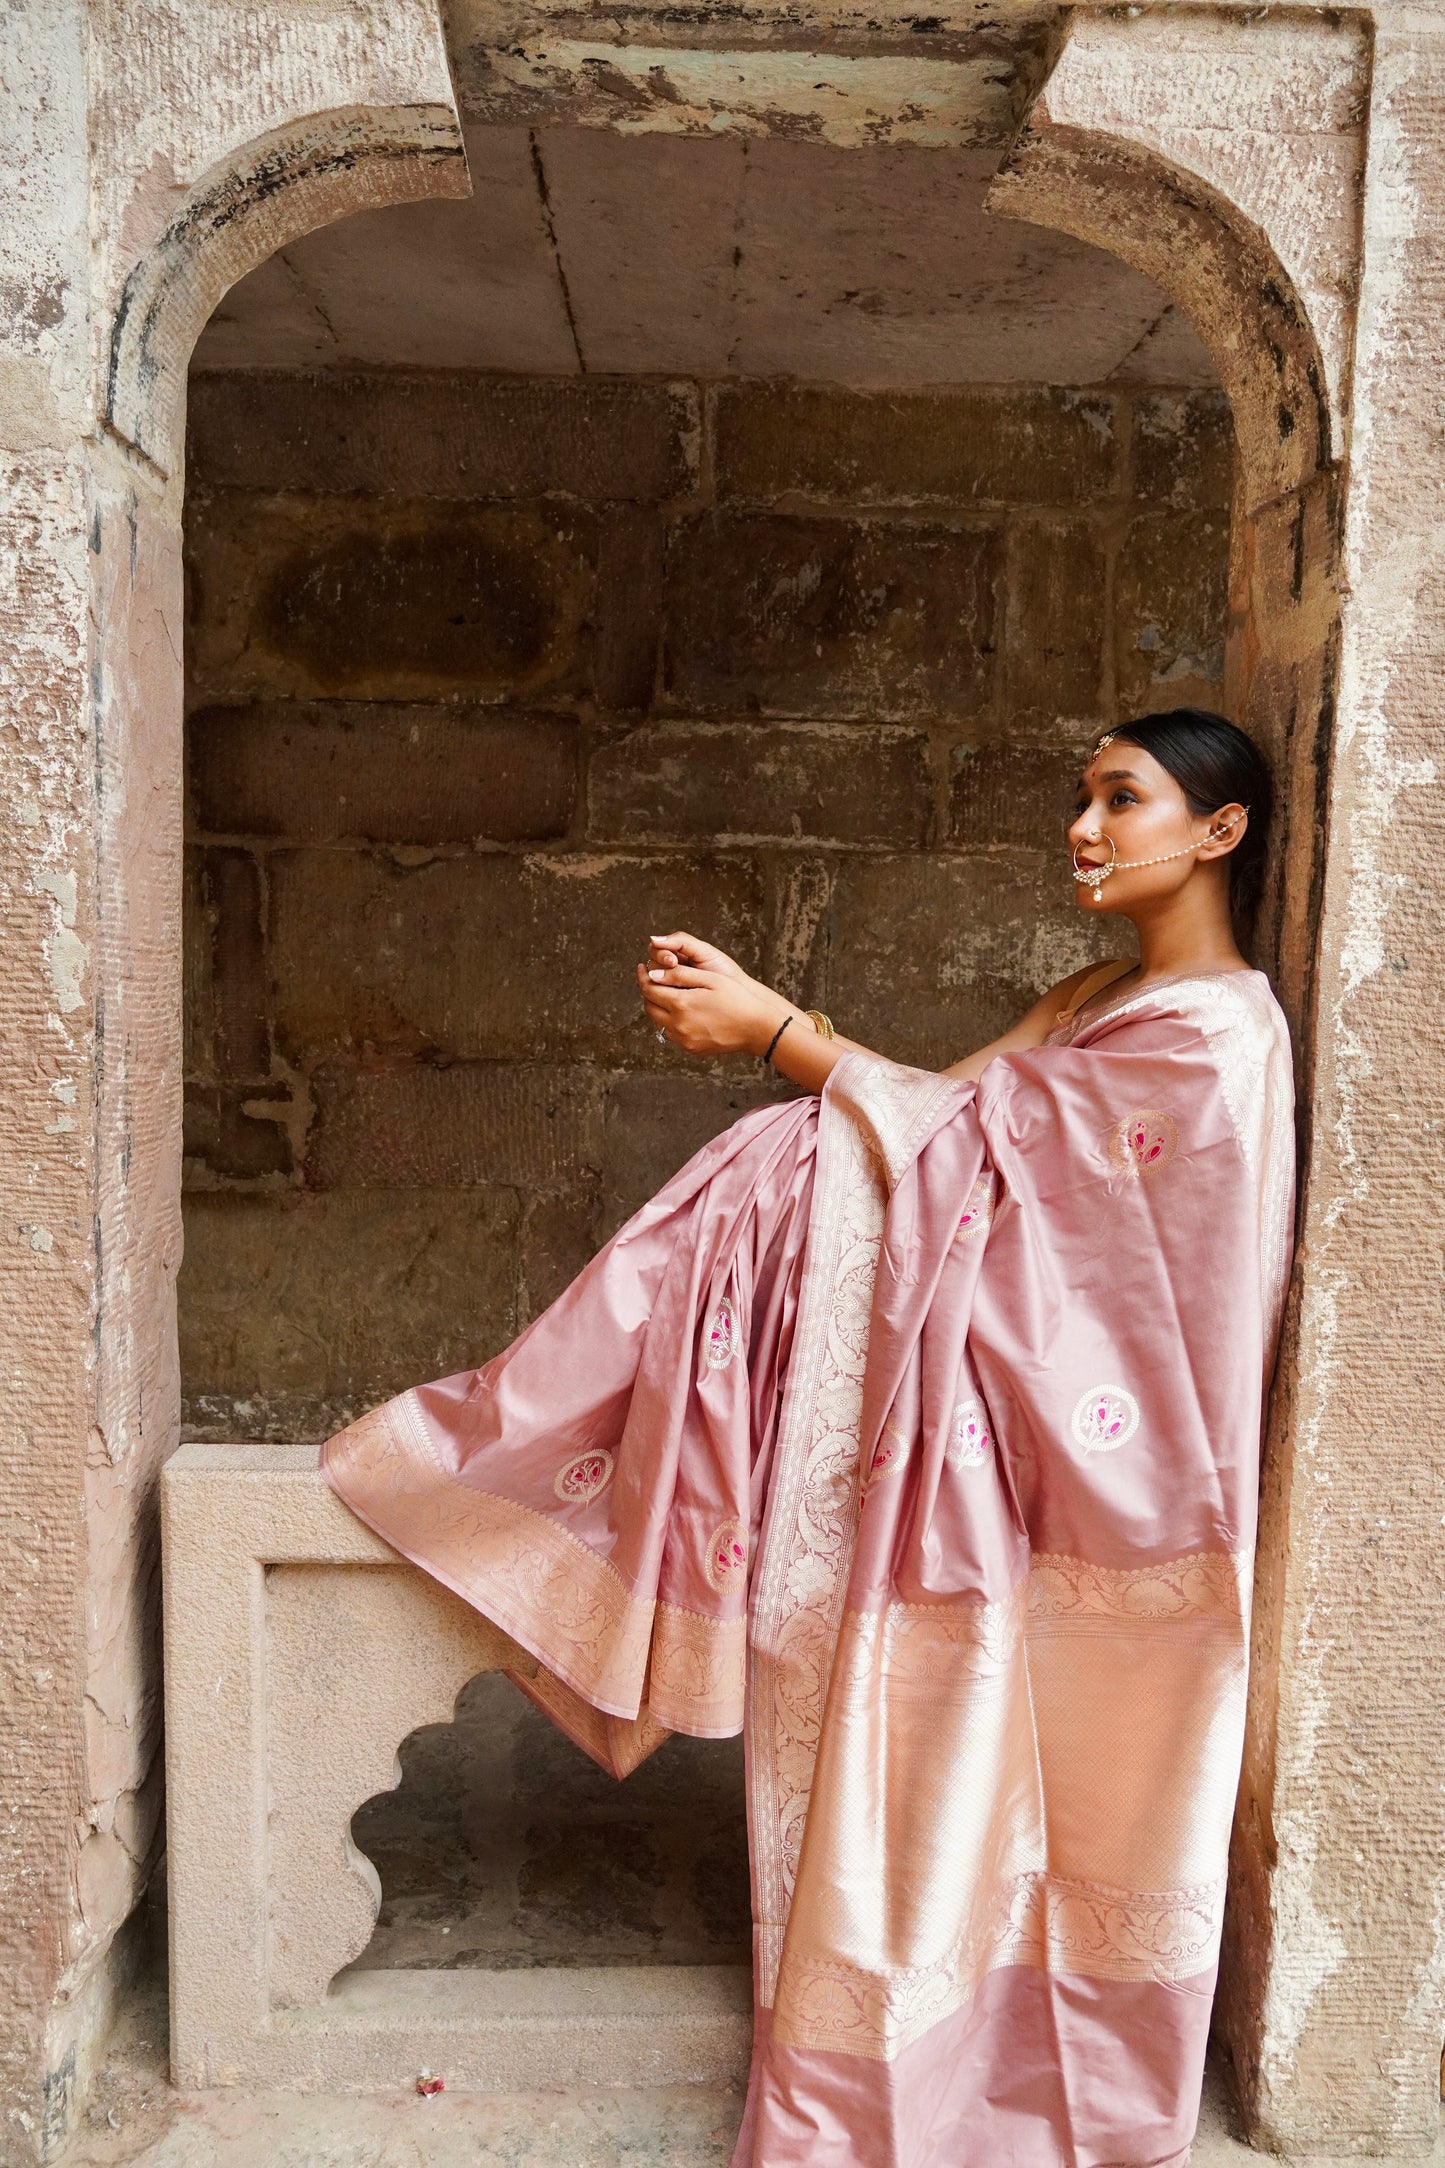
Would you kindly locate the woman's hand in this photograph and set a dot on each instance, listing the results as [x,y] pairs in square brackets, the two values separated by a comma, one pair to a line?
[704,1001]
[666,950]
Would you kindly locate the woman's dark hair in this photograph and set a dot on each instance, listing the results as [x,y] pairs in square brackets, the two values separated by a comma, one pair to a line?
[1215,764]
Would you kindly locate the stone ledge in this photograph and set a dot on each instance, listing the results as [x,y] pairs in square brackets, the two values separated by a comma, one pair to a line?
[300,1651]
[558,2027]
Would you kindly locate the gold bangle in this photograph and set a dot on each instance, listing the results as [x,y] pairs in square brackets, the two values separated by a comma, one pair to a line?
[822,1024]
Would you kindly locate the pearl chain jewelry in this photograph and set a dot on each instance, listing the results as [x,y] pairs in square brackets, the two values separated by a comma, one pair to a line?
[1094,877]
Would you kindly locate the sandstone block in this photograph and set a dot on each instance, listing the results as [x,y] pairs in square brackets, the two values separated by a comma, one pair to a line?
[629,608]
[488,957]
[320,772]
[1183,450]
[654,1124]
[701,782]
[283,1715]
[831,617]
[306,1310]
[1033,445]
[559,1236]
[1171,592]
[231,890]
[1291,563]
[464,1126]
[197,1007]
[443,433]
[1012,794]
[405,600]
[931,957]
[1057,621]
[228,1137]
[802,886]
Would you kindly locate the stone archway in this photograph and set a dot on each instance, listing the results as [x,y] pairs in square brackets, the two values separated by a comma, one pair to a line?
[322,167]
[1336,2035]
[1130,198]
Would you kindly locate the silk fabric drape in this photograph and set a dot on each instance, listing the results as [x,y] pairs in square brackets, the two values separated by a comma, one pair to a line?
[917,1429]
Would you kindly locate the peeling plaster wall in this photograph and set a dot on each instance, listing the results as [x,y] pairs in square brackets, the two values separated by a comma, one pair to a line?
[111,116]
[1342,2047]
[489,675]
[48,1167]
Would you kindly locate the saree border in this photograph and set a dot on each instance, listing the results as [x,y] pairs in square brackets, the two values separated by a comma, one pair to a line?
[566,1606]
[874,1117]
[1084,1929]
[617,1744]
[698,1674]
[914,1661]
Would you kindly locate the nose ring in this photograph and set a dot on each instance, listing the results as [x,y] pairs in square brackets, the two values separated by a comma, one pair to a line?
[1094,877]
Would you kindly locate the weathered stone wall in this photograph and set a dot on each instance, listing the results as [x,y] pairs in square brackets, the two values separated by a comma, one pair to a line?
[113,117]
[488,677]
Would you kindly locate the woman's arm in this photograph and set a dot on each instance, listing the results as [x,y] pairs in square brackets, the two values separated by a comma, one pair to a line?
[707,1004]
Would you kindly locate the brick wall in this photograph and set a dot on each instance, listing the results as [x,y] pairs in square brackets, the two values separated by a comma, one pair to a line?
[487,677]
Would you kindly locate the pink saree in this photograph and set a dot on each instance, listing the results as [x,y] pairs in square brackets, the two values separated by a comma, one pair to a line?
[914,1431]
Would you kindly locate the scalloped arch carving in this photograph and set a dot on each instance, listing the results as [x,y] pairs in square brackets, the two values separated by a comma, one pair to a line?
[242,210]
[339,1704]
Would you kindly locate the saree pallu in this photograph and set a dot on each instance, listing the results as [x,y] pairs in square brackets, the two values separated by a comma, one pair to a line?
[914,1431]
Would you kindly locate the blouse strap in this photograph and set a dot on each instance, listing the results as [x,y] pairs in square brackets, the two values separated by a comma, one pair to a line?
[1095,984]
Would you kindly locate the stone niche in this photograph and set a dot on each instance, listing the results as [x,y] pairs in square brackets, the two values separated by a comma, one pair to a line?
[747,539]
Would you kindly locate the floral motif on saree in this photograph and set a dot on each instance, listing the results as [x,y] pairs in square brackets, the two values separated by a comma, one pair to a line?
[721,1337]
[1144,1142]
[978,1212]
[1104,1419]
[972,1441]
[889,1454]
[585,1475]
[727,1556]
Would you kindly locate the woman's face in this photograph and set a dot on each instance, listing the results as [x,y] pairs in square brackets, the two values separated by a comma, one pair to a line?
[1125,798]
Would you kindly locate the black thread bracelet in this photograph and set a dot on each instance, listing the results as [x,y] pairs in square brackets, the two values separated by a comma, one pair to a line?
[775,1038]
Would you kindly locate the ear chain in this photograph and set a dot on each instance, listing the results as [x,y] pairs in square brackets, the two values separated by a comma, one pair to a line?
[1094,877]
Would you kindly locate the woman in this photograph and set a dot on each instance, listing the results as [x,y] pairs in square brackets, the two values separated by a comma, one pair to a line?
[913,1428]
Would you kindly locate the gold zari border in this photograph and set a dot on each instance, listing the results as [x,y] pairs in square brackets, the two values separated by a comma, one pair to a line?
[1039,1920]
[571,1608]
[612,1654]
[699,1672]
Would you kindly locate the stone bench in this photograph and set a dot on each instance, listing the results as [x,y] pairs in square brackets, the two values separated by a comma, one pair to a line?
[299,1652]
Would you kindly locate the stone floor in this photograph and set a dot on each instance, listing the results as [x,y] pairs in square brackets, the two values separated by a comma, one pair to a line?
[501,1846]
[135,2120]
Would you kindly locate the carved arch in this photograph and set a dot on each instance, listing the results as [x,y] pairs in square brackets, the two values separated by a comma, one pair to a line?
[242,210]
[335,1733]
